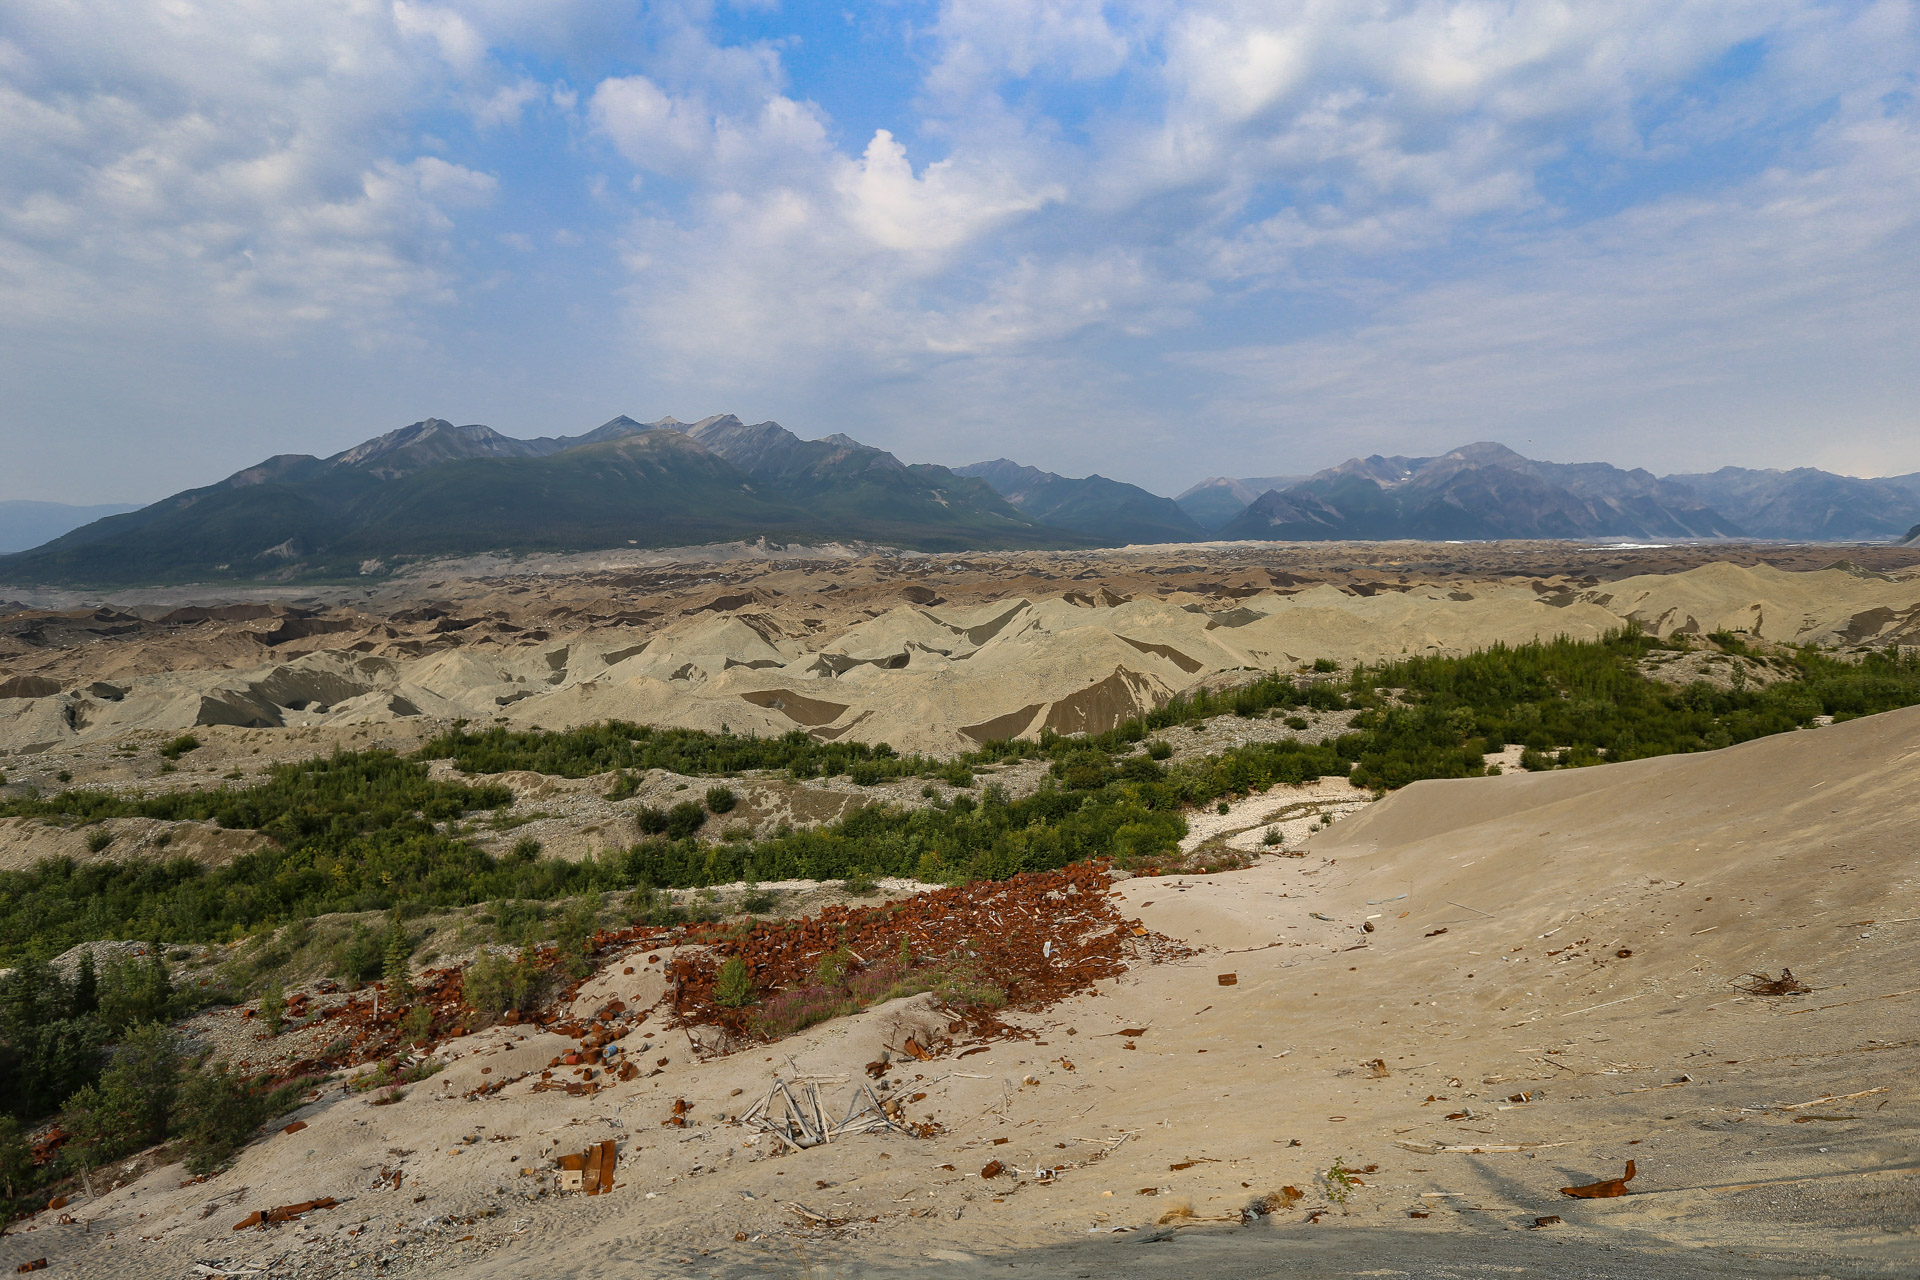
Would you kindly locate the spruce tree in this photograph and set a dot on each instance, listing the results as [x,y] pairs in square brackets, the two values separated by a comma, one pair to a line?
[399,967]
[86,986]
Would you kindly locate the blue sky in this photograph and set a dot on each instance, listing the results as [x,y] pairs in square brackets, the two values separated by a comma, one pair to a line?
[1156,240]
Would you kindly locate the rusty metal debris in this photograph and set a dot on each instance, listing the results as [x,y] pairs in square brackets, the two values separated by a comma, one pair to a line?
[38,1264]
[591,1170]
[1605,1189]
[285,1213]
[1228,979]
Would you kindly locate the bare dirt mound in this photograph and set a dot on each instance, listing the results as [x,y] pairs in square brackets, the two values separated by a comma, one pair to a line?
[929,654]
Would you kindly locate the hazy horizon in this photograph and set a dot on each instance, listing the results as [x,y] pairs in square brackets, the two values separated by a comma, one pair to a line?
[1164,489]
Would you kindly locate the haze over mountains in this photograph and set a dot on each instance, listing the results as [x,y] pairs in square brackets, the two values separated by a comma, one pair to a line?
[434,489]
[1109,510]
[1484,491]
[25,523]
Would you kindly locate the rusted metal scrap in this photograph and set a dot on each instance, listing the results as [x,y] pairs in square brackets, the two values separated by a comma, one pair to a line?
[1605,1189]
[591,1170]
[285,1213]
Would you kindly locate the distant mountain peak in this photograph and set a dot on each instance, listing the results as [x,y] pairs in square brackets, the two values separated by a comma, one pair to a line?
[1479,491]
[1110,510]
[427,443]
[1489,453]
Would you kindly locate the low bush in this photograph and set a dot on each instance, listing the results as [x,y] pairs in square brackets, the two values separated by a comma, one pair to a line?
[734,985]
[179,746]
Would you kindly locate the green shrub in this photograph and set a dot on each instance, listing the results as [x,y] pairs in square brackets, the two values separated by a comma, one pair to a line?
[494,984]
[416,1025]
[131,1105]
[734,986]
[573,936]
[1158,750]
[652,819]
[396,969]
[16,1164]
[859,885]
[180,746]
[684,819]
[98,839]
[135,989]
[273,1007]
[360,957]
[721,799]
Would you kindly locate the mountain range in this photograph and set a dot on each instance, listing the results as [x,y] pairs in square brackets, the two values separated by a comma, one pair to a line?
[1113,512]
[1489,491]
[435,489]
[1218,499]
[1808,505]
[1479,491]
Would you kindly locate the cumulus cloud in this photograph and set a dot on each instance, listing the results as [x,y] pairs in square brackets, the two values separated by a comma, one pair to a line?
[1389,221]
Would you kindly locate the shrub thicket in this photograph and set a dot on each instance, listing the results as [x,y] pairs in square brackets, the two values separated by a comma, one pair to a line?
[373,831]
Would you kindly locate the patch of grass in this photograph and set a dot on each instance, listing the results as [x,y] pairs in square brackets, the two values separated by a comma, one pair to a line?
[787,1012]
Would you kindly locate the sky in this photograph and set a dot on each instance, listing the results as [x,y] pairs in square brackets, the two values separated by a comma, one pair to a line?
[1155,240]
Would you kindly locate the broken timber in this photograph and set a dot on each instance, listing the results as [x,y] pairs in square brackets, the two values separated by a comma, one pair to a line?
[801,1121]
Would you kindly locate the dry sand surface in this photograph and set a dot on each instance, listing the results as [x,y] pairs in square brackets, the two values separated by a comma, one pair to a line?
[1549,989]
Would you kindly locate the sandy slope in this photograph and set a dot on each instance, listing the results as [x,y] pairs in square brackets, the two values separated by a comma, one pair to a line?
[1500,906]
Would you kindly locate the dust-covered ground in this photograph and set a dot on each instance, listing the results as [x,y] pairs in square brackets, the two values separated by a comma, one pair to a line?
[1469,994]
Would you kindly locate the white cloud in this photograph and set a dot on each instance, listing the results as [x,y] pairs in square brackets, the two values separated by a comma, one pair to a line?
[504,106]
[945,206]
[225,165]
[1705,327]
[450,34]
[1373,216]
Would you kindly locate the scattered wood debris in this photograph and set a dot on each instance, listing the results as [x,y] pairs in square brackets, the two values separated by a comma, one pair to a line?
[800,1120]
[1759,984]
